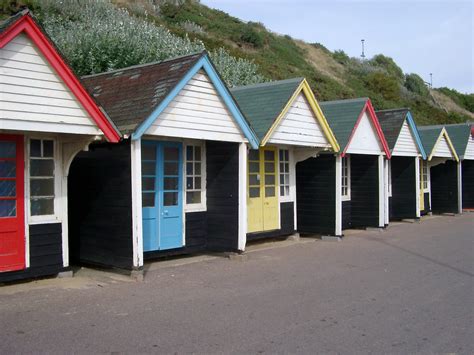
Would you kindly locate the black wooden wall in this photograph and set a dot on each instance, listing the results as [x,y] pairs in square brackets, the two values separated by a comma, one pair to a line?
[316,195]
[364,191]
[468,184]
[444,187]
[222,195]
[287,223]
[100,206]
[46,253]
[426,199]
[346,215]
[403,201]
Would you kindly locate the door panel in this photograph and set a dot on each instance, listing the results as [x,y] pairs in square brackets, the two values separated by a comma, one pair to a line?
[12,218]
[262,198]
[162,195]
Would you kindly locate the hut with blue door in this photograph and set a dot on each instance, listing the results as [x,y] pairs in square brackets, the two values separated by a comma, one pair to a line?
[291,127]
[462,137]
[403,175]
[177,182]
[352,180]
[46,118]
[441,172]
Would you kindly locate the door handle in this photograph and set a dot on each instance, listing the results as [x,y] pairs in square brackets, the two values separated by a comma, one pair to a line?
[164,213]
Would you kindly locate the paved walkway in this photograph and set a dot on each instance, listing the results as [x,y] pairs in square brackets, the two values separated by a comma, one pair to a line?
[408,289]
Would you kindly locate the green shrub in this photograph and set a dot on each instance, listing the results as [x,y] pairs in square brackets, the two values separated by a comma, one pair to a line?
[341,57]
[384,84]
[388,64]
[416,84]
[253,37]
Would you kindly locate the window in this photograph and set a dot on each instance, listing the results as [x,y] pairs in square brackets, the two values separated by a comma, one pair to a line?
[284,172]
[195,176]
[424,172]
[346,179]
[41,177]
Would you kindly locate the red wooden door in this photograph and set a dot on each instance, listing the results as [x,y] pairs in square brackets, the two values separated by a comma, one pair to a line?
[12,210]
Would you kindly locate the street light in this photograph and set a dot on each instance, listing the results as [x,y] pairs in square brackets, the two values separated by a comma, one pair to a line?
[363,54]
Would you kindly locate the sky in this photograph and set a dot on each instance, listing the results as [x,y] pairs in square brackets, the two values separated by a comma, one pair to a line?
[422,36]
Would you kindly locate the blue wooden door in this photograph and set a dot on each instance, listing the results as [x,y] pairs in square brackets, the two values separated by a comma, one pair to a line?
[162,195]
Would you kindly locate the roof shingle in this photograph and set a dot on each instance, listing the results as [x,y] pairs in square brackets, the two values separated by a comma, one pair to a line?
[391,122]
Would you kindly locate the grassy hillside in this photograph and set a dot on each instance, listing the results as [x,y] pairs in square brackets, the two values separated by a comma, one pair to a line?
[332,75]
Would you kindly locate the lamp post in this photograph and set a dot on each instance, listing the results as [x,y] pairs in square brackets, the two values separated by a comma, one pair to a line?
[363,54]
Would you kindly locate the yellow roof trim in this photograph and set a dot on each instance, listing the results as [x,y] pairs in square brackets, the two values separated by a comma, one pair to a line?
[304,86]
[450,144]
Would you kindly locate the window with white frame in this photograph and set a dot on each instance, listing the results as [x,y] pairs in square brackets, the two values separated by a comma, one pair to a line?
[284,172]
[195,176]
[346,178]
[41,177]
[424,172]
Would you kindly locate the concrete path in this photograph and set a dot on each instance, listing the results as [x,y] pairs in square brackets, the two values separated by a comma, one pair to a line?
[408,289]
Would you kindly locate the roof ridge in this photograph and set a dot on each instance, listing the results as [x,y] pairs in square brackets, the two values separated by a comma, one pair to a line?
[136,66]
[393,109]
[343,101]
[266,84]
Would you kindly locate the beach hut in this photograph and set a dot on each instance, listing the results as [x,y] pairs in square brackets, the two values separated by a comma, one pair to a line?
[403,176]
[462,137]
[351,181]
[177,182]
[46,118]
[440,172]
[290,127]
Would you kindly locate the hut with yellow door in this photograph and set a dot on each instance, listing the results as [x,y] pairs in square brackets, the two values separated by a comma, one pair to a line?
[291,127]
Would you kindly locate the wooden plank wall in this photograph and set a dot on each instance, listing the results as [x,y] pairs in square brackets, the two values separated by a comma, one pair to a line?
[444,187]
[100,206]
[316,195]
[45,253]
[468,184]
[403,201]
[364,191]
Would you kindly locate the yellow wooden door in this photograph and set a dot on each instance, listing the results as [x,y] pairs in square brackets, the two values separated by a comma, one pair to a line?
[270,188]
[422,193]
[262,198]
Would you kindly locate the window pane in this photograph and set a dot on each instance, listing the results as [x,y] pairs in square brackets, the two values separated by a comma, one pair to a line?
[253,180]
[171,183]
[287,155]
[197,168]
[41,167]
[254,155]
[254,167]
[170,198]
[269,179]
[148,168]
[193,197]
[282,179]
[42,187]
[48,149]
[171,153]
[254,192]
[171,168]
[7,169]
[7,208]
[197,183]
[282,155]
[43,206]
[269,155]
[35,148]
[282,190]
[189,152]
[287,191]
[269,167]
[148,152]
[7,188]
[189,169]
[148,199]
[282,167]
[148,184]
[189,183]
[7,149]
[197,153]
[269,191]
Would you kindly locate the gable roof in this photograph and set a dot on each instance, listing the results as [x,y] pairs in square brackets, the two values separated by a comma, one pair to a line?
[24,22]
[459,135]
[430,135]
[266,104]
[134,97]
[344,116]
[392,122]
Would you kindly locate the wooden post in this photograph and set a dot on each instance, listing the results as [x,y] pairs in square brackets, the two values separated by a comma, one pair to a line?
[136,180]
[338,222]
[242,196]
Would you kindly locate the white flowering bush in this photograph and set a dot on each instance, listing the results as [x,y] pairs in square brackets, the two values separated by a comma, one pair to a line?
[95,36]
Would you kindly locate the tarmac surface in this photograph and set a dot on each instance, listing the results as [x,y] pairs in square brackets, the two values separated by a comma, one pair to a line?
[407,289]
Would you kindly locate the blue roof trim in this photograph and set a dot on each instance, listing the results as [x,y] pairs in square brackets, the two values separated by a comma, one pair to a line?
[414,129]
[221,88]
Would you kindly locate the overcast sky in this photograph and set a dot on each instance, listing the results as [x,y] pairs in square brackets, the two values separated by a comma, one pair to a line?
[423,36]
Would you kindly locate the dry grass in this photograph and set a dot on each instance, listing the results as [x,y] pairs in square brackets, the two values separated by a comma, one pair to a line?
[446,103]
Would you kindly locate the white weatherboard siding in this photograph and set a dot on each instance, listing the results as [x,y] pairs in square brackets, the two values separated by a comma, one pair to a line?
[299,126]
[197,112]
[406,144]
[365,139]
[33,97]
[442,149]
[469,154]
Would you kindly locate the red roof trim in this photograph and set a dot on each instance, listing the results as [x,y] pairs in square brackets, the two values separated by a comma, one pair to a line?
[28,25]
[368,107]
